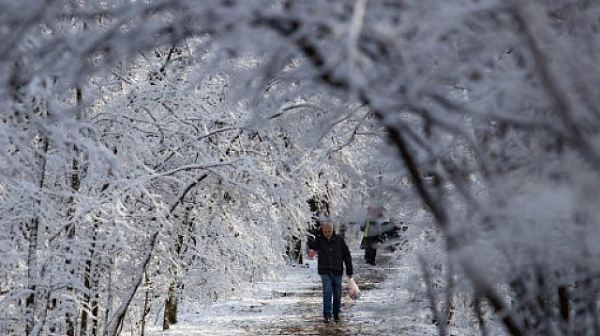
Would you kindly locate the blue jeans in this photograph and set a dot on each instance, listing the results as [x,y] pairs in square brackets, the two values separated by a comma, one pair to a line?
[332,291]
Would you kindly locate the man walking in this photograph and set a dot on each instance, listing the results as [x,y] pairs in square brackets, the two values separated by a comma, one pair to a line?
[333,253]
[372,229]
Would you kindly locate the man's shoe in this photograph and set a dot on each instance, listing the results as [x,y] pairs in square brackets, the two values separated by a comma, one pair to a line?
[336,319]
[326,319]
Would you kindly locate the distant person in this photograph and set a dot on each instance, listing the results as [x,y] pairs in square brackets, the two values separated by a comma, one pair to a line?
[314,230]
[332,253]
[373,228]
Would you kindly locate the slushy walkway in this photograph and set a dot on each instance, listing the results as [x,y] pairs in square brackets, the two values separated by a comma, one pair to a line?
[292,306]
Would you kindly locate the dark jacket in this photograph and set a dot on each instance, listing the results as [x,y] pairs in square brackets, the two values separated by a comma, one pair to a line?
[333,254]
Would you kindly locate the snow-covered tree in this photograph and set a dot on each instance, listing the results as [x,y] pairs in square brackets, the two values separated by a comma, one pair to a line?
[139,137]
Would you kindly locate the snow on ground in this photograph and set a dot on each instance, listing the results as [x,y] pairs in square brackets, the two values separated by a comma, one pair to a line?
[292,306]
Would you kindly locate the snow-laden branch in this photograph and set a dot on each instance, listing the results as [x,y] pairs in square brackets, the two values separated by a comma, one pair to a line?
[119,315]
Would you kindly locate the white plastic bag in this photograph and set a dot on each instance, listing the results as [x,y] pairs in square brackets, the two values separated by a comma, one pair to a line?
[353,290]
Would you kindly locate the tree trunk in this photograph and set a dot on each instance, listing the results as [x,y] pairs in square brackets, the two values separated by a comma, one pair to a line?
[32,229]
[294,249]
[147,303]
[90,284]
[563,299]
[479,315]
[83,323]
[170,313]
[170,316]
[112,327]
[70,317]
[95,305]
[32,260]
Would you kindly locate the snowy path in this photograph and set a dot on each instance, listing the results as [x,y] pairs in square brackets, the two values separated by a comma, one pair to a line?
[292,306]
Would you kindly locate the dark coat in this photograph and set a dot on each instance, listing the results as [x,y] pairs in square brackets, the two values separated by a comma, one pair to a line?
[333,254]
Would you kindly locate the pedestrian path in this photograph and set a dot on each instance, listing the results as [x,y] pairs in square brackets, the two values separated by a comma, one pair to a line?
[292,306]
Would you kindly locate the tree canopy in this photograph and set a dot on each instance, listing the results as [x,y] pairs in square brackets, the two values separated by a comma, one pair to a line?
[167,149]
